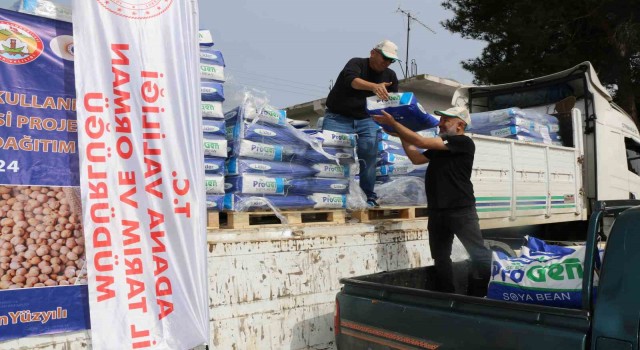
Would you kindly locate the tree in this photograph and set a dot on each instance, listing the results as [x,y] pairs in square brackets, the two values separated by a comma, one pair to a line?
[532,38]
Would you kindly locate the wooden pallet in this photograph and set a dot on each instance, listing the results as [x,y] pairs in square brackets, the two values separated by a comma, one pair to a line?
[257,219]
[390,213]
[213,220]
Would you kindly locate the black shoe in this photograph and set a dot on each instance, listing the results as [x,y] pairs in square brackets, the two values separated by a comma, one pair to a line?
[371,203]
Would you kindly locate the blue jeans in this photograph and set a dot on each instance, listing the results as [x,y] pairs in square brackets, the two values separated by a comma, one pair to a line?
[367,147]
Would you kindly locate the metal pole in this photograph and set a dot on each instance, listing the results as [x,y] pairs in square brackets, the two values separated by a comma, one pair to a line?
[409,18]
[406,61]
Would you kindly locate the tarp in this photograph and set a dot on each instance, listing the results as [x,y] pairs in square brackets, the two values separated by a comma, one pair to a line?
[140,135]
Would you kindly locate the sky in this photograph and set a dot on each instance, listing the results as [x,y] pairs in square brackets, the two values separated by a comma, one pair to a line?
[292,50]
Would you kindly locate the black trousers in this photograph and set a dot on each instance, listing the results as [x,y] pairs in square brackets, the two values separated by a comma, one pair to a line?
[463,222]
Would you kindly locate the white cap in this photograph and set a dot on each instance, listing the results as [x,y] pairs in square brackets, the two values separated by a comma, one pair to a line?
[456,112]
[388,49]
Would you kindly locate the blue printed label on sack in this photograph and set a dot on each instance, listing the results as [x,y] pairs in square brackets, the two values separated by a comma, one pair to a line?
[212,204]
[331,170]
[264,132]
[215,202]
[211,167]
[210,128]
[401,169]
[328,201]
[261,150]
[533,297]
[262,185]
[259,166]
[504,132]
[208,55]
[275,116]
[336,139]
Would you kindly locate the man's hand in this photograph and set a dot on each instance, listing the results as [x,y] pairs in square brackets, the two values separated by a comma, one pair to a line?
[381,90]
[384,119]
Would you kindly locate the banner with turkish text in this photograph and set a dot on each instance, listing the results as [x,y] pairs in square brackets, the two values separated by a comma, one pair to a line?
[38,131]
[140,145]
[42,277]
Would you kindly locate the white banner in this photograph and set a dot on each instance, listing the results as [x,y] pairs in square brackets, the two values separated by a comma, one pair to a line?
[142,172]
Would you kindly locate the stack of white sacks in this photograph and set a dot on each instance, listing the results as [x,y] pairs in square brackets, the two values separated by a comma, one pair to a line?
[274,165]
[519,124]
[213,126]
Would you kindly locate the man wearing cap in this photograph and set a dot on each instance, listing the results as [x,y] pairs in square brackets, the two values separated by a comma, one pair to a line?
[450,197]
[346,106]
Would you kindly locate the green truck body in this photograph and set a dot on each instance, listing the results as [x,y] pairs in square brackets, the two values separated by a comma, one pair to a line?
[396,310]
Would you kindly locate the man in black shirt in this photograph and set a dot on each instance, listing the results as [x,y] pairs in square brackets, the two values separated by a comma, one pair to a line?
[450,197]
[346,106]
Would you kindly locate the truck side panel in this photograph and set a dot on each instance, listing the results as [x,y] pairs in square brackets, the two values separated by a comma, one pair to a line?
[519,183]
[451,326]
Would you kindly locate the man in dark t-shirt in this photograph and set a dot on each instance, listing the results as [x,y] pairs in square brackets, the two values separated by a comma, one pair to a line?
[346,106]
[450,197]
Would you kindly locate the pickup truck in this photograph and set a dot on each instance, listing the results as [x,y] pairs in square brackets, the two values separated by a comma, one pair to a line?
[396,310]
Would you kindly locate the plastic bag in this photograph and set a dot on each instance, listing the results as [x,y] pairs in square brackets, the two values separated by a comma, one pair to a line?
[405,190]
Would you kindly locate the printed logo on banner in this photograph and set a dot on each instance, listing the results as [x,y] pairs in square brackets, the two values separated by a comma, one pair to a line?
[62,46]
[136,9]
[18,44]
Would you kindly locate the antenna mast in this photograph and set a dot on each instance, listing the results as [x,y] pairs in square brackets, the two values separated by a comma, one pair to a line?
[410,17]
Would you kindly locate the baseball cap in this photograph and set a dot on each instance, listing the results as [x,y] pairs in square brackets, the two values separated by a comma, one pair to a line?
[388,49]
[456,112]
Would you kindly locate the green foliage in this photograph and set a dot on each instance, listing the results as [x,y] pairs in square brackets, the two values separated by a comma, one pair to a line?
[528,38]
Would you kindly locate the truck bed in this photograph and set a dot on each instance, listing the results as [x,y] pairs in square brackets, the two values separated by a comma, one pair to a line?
[416,317]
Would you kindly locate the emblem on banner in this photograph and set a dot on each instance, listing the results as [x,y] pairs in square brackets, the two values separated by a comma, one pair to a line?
[18,44]
[136,9]
[62,46]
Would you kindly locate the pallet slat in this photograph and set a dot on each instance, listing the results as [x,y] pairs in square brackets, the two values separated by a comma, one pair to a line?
[257,219]
[213,220]
[390,213]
